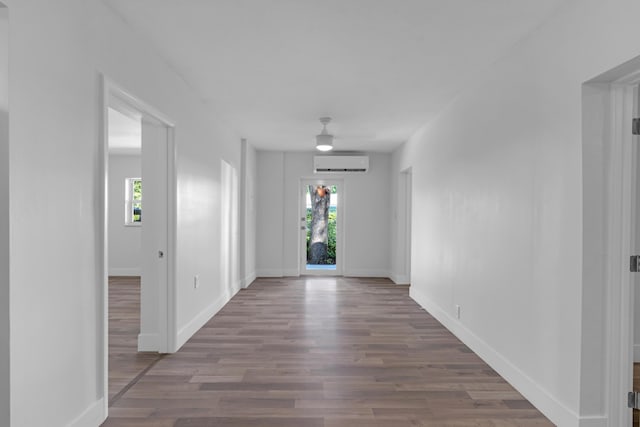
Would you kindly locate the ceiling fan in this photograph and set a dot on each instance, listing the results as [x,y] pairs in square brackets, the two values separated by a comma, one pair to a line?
[324,140]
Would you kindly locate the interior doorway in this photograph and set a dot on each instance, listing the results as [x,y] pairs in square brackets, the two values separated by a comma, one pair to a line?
[321,227]
[610,226]
[124,219]
[138,303]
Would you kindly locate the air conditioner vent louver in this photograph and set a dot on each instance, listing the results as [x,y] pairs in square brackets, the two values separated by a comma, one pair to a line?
[340,164]
[340,170]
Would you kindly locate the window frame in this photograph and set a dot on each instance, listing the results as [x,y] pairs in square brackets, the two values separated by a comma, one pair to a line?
[129,202]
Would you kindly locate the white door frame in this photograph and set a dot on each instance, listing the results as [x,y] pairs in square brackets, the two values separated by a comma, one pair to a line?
[302,253]
[618,162]
[621,225]
[112,92]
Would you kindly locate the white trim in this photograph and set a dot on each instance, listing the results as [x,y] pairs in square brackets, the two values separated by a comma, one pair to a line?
[620,177]
[291,272]
[558,413]
[93,416]
[148,342]
[247,281]
[102,250]
[597,421]
[269,272]
[172,246]
[204,316]
[127,100]
[636,353]
[125,271]
[400,279]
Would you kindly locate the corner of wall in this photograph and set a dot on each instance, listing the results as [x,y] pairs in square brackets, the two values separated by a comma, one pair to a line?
[247,281]
[400,279]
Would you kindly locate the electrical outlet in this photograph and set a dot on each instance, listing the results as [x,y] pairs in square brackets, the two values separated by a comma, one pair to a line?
[457,311]
[196,282]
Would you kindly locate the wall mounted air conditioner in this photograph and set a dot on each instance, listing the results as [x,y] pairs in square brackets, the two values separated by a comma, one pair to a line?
[340,164]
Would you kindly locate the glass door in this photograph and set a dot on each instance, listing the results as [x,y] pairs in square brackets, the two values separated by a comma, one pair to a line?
[320,227]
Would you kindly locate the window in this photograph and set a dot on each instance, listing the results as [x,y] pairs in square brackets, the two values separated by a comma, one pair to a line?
[133,201]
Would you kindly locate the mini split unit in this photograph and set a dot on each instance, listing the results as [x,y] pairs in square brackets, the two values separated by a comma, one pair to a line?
[340,164]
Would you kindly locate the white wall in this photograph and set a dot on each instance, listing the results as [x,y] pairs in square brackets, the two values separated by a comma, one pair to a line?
[366,214]
[4,219]
[124,241]
[248,211]
[269,212]
[497,201]
[58,50]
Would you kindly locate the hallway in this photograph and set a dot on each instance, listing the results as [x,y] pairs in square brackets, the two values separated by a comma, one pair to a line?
[322,352]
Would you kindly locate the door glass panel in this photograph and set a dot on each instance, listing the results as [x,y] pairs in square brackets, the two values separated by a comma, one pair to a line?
[321,220]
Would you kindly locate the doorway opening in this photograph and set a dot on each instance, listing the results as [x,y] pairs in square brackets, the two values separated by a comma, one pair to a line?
[138,237]
[124,218]
[610,237]
[321,219]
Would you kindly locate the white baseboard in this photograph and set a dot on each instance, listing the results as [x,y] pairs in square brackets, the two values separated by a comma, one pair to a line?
[365,273]
[636,353]
[148,342]
[291,273]
[400,279]
[204,316]
[267,272]
[247,281]
[558,413]
[115,271]
[93,416]
[597,421]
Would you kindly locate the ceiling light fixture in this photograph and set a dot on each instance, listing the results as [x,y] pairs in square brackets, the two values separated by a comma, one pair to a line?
[324,141]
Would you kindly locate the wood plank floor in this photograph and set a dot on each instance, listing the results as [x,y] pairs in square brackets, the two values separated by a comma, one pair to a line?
[125,363]
[322,352]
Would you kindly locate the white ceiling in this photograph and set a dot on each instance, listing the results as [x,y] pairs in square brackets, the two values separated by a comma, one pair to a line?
[380,68]
[125,134]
